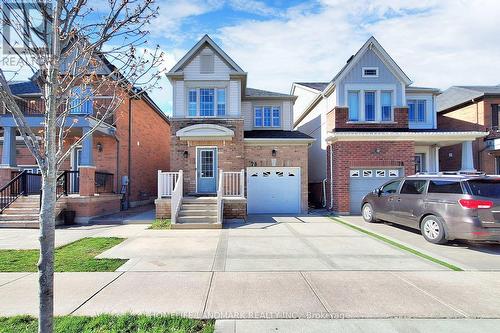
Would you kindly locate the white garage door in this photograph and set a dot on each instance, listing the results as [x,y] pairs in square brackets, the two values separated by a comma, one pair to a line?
[273,190]
[363,181]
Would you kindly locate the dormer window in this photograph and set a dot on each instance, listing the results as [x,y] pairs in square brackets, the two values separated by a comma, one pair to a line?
[370,71]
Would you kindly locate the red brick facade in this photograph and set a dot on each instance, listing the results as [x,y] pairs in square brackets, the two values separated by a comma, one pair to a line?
[338,118]
[345,155]
[473,117]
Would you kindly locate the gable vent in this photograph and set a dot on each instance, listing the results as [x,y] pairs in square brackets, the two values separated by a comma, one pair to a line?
[206,63]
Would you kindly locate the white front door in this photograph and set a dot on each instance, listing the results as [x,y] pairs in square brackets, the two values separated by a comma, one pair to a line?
[273,190]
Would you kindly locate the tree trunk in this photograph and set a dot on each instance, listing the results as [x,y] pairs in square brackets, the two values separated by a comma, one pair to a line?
[46,262]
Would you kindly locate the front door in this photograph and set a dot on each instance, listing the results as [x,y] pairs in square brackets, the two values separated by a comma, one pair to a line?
[206,171]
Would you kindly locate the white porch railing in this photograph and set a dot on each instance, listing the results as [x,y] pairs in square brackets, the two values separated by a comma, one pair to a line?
[233,183]
[176,200]
[166,183]
[220,193]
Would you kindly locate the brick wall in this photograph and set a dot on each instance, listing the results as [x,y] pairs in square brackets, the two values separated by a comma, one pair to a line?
[287,156]
[235,208]
[474,117]
[338,118]
[163,208]
[230,153]
[350,154]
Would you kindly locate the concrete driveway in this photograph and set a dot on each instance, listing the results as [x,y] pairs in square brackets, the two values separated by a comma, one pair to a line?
[466,255]
[264,244]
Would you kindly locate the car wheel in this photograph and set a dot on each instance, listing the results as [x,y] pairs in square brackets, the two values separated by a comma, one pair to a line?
[433,230]
[367,212]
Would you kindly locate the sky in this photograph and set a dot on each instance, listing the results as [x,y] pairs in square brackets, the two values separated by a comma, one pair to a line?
[437,43]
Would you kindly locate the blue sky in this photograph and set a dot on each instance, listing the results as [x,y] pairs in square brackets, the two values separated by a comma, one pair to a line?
[437,43]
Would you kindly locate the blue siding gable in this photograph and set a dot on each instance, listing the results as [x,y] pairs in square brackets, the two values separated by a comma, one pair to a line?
[385,76]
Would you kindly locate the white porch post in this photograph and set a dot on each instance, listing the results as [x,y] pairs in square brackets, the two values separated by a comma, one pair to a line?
[467,157]
[434,159]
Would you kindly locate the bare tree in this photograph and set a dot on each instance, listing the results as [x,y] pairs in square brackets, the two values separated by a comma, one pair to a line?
[78,54]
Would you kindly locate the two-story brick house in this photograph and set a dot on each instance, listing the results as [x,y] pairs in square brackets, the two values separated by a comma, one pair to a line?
[472,108]
[219,124]
[111,169]
[370,126]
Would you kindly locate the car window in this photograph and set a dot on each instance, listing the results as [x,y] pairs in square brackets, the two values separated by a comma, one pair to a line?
[445,186]
[485,187]
[390,188]
[413,186]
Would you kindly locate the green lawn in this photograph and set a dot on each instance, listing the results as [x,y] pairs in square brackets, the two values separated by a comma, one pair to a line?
[160,224]
[74,257]
[110,324]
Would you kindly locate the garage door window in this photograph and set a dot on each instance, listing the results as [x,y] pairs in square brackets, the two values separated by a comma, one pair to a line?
[380,173]
[367,173]
[354,173]
[393,173]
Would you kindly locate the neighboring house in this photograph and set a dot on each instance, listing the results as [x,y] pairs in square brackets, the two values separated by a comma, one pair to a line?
[472,108]
[219,124]
[113,168]
[370,126]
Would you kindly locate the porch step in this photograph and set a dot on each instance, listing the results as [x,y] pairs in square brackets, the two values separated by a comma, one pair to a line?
[196,226]
[198,212]
[197,219]
[21,210]
[27,224]
[203,207]
[18,217]
[199,200]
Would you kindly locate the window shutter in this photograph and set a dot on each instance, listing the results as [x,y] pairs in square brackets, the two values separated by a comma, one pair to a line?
[494,115]
[206,63]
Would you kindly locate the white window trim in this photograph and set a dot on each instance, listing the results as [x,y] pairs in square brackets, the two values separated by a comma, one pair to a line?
[369,68]
[377,88]
[272,116]
[198,101]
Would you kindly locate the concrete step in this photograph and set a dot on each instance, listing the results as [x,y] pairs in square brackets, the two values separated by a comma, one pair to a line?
[198,212]
[197,219]
[27,224]
[18,217]
[196,206]
[199,200]
[196,226]
[21,210]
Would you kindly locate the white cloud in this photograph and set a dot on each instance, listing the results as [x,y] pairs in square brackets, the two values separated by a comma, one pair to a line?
[437,43]
[254,7]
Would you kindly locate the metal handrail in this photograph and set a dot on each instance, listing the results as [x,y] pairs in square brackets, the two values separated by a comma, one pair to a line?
[12,190]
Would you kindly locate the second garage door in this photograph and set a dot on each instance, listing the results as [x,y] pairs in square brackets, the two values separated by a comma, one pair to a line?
[363,181]
[273,190]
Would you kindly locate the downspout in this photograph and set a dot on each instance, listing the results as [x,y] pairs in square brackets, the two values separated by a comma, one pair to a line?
[117,163]
[129,150]
[331,177]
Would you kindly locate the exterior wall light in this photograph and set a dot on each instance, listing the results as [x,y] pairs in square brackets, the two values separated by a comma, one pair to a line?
[185,154]
[274,152]
[377,150]
[99,147]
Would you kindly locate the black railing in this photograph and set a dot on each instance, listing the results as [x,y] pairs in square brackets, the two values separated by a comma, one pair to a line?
[67,183]
[104,182]
[11,191]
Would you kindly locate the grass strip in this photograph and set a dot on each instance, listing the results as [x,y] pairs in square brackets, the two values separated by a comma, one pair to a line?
[398,245]
[78,256]
[110,324]
[161,224]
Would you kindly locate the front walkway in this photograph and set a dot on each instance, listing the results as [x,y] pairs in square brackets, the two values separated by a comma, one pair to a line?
[298,267]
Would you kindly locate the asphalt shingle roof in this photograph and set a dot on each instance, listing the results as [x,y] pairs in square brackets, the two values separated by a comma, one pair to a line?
[251,92]
[457,95]
[22,88]
[275,134]
[320,86]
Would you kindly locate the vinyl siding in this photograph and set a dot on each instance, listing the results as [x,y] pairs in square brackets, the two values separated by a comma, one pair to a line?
[286,114]
[221,69]
[304,98]
[234,98]
[178,107]
[429,111]
[247,113]
[385,76]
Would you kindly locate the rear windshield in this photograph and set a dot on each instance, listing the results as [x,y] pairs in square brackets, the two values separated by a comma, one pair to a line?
[485,187]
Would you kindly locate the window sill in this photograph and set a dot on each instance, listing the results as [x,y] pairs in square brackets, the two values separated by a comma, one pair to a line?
[371,122]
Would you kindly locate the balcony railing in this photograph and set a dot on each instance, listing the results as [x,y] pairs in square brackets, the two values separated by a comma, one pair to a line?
[104,182]
[96,107]
[166,183]
[233,183]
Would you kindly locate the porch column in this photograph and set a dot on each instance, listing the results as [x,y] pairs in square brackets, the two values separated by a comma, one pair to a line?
[467,157]
[87,168]
[8,155]
[9,147]
[434,159]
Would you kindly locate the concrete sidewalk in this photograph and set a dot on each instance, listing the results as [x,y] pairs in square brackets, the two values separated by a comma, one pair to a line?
[358,326]
[257,295]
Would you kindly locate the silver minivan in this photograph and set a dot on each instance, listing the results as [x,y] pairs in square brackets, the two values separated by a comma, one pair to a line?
[442,206]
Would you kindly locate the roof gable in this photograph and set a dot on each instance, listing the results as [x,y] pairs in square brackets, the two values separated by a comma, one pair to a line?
[202,43]
[374,45]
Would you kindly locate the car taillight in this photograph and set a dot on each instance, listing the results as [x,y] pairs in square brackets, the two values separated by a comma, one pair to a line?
[475,204]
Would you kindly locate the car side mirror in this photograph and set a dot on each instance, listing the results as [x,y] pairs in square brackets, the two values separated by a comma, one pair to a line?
[379,191]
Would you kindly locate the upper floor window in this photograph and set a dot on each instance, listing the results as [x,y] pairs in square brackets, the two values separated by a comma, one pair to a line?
[495,115]
[81,101]
[353,103]
[369,105]
[417,110]
[386,104]
[192,102]
[370,72]
[267,116]
[206,102]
